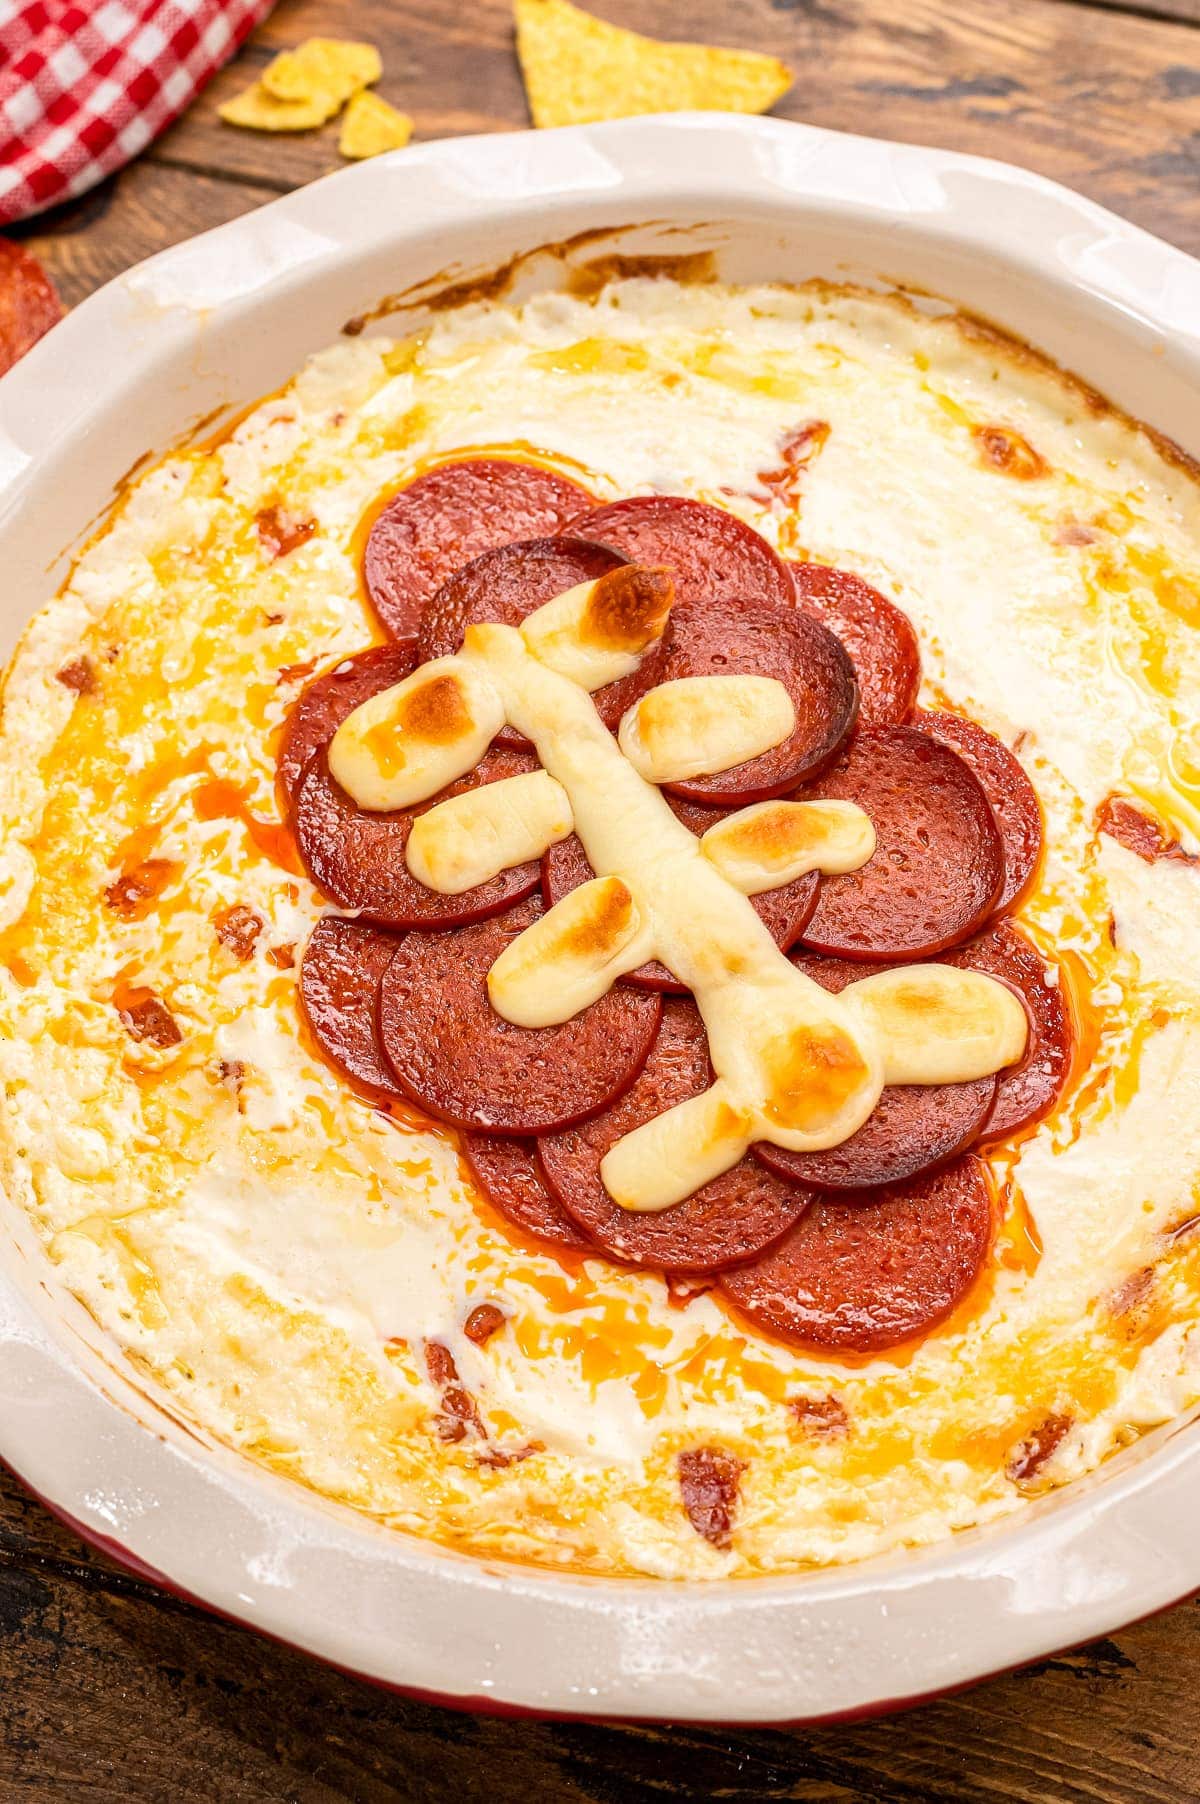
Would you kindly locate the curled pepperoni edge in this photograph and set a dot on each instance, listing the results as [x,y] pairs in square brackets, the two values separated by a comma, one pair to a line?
[1011,796]
[685,535]
[340,973]
[462,1063]
[443,518]
[879,637]
[934,1123]
[732,1218]
[321,707]
[1030,1090]
[737,637]
[348,851]
[855,913]
[864,1274]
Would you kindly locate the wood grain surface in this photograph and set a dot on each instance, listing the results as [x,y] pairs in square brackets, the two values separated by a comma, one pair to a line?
[111,1691]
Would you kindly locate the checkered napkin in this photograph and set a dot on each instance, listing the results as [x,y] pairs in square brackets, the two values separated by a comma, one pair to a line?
[86,84]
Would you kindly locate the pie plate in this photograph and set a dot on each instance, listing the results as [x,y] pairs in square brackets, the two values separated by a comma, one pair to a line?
[229,316]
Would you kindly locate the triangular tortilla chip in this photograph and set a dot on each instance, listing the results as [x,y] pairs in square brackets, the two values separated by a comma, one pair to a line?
[370,126]
[332,66]
[578,68]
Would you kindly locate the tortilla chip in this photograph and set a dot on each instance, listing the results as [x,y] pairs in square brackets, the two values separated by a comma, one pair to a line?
[370,126]
[260,111]
[326,66]
[577,69]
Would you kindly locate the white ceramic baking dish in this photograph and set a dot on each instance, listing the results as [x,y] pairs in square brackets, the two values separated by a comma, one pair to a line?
[228,316]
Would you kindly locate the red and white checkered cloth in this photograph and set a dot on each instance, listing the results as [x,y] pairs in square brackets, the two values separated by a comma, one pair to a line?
[86,84]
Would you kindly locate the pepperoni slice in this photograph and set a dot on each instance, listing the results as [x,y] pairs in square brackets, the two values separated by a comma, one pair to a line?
[880,639]
[1012,796]
[29,304]
[863,1273]
[732,1218]
[449,516]
[1028,1091]
[506,584]
[938,864]
[728,638]
[913,1127]
[785,912]
[711,554]
[339,982]
[509,583]
[357,858]
[461,1061]
[508,1173]
[319,710]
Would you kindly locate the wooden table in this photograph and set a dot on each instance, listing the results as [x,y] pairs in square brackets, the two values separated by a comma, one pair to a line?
[110,1690]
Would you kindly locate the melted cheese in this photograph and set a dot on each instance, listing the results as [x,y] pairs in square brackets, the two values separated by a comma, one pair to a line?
[271,1253]
[696,726]
[474,836]
[415,738]
[772,843]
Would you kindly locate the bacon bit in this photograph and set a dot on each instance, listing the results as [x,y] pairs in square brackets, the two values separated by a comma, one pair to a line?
[273,619]
[797,453]
[681,1291]
[1139,833]
[282,957]
[230,1072]
[135,889]
[483,1322]
[280,532]
[709,1480]
[1132,1291]
[296,673]
[1030,1456]
[147,1017]
[824,1417]
[1072,533]
[1002,449]
[112,653]
[238,928]
[1112,928]
[458,1414]
[78,676]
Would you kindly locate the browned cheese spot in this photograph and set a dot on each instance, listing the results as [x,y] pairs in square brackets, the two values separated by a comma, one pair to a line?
[78,676]
[1139,833]
[709,1481]
[600,927]
[812,1072]
[1006,451]
[436,712]
[628,607]
[238,927]
[1031,1454]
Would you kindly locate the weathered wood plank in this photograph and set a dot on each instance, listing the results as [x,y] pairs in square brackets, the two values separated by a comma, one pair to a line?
[1104,99]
